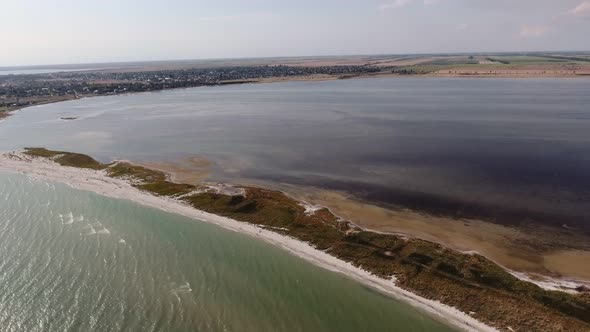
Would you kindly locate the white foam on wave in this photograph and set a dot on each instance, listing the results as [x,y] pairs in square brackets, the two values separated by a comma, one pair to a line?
[551,284]
[184,289]
[122,241]
[104,231]
[70,219]
[92,230]
[310,209]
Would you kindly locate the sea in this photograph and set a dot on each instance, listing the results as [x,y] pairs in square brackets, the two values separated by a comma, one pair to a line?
[72,260]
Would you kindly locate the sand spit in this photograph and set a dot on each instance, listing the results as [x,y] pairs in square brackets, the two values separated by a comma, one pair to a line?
[100,183]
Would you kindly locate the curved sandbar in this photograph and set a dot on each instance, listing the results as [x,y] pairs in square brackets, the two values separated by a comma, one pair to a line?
[427,275]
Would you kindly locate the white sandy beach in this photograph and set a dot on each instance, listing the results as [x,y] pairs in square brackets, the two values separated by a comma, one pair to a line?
[99,182]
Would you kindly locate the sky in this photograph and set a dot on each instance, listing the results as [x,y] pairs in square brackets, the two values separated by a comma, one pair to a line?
[88,31]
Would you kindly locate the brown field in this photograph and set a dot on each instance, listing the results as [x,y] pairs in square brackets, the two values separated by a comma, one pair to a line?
[410,61]
[539,70]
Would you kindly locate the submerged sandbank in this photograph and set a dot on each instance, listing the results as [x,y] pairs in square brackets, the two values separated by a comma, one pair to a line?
[535,249]
[546,253]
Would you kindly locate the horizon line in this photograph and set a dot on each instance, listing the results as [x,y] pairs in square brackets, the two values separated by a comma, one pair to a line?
[54,65]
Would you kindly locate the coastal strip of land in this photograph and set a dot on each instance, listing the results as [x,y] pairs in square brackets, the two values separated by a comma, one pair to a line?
[18,91]
[465,289]
[546,254]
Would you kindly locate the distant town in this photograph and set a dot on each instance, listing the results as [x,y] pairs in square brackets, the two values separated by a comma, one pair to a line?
[18,91]
[29,87]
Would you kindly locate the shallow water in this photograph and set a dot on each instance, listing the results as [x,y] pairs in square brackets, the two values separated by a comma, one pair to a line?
[75,261]
[507,150]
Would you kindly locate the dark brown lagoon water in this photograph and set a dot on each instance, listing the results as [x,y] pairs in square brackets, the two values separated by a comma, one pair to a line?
[513,151]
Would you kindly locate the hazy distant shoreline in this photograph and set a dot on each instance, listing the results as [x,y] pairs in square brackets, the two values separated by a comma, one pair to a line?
[67,82]
[315,78]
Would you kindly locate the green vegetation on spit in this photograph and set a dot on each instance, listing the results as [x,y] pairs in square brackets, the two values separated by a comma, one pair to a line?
[468,282]
[4,111]
[67,158]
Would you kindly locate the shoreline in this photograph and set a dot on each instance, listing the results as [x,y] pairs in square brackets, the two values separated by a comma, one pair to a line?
[545,280]
[501,243]
[309,78]
[564,284]
[525,270]
[98,182]
[463,289]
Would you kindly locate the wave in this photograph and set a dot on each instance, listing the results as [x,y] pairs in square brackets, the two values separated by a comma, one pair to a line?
[104,231]
[70,219]
[184,289]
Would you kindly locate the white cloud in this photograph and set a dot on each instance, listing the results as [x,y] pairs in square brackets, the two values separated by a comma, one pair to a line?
[532,31]
[461,26]
[581,10]
[402,3]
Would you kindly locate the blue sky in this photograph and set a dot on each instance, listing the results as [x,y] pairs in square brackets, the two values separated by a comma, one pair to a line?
[68,31]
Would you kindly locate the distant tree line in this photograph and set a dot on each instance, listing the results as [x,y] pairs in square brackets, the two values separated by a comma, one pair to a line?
[498,60]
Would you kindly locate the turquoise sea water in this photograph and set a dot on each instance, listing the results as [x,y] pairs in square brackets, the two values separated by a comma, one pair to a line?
[72,260]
